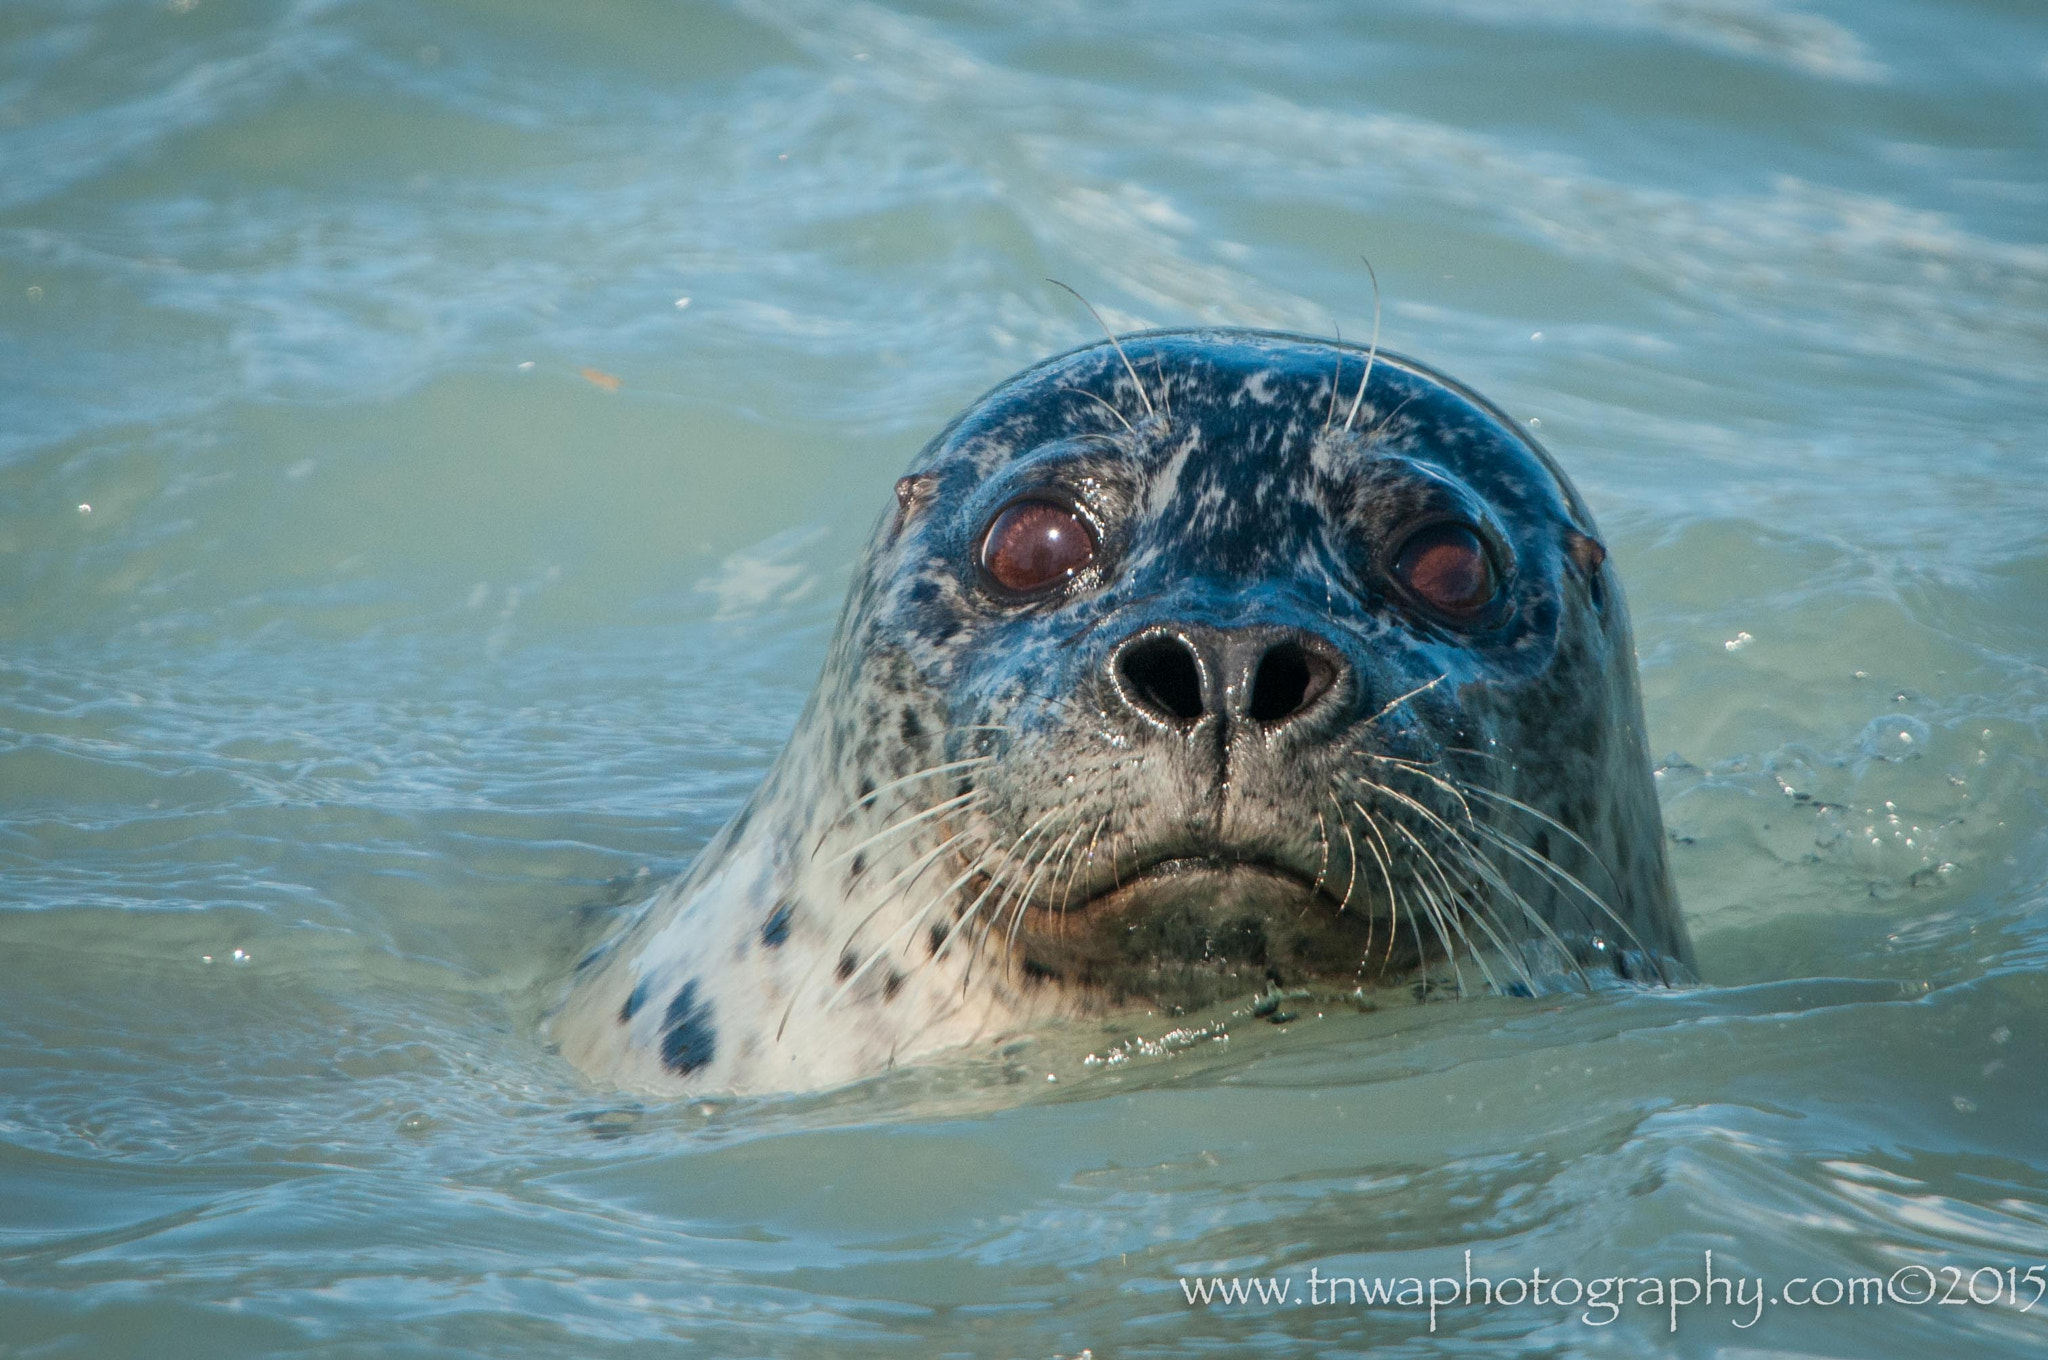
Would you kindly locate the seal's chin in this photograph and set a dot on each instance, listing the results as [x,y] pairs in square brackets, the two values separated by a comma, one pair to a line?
[1188,930]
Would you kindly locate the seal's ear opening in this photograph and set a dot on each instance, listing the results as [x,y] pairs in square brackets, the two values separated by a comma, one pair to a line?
[1587,554]
[911,492]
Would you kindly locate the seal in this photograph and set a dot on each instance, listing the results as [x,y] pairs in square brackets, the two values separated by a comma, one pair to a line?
[1185,666]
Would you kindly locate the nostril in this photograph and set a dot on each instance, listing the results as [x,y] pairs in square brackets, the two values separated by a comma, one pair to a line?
[1290,678]
[1162,675]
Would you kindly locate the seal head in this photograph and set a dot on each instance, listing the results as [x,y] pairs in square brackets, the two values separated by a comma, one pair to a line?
[1182,667]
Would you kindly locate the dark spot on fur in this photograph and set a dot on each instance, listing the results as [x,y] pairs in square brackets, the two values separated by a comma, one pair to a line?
[635,999]
[934,938]
[912,729]
[688,1042]
[775,930]
[847,963]
[860,866]
[892,985]
[867,788]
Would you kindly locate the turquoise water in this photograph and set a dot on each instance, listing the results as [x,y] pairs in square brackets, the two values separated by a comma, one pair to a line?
[479,405]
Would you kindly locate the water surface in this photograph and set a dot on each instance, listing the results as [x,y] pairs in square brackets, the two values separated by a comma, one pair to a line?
[478,406]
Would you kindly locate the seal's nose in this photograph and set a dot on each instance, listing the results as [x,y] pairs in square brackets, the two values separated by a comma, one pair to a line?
[1268,676]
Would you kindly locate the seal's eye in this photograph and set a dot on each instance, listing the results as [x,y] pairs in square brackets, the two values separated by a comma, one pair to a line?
[1446,567]
[1031,545]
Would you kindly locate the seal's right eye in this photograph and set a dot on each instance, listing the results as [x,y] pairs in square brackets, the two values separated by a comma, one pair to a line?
[1032,545]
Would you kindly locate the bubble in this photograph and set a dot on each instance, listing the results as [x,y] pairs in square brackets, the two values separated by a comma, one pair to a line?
[1894,737]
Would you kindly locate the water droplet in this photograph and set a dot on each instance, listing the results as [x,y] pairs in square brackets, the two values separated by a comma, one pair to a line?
[84,509]
[681,303]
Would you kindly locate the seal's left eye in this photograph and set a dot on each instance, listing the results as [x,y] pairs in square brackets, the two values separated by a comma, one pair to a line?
[1031,545]
[1445,565]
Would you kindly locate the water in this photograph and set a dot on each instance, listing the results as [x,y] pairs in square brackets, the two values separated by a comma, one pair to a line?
[478,406]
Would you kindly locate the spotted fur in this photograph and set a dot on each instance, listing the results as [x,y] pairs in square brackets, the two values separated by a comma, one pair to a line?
[973,829]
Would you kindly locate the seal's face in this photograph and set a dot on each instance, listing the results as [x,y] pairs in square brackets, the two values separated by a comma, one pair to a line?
[1232,682]
[1178,669]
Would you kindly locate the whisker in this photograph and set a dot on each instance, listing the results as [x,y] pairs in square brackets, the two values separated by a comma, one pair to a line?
[1323,835]
[935,810]
[1037,859]
[1495,795]
[1456,840]
[1419,689]
[1336,380]
[1103,404]
[867,799]
[1381,425]
[1383,856]
[1024,899]
[1372,351]
[1115,344]
[1351,843]
[1088,856]
[883,950]
[1411,767]
[1566,877]
[1486,870]
[1552,867]
[1529,912]
[996,882]
[1441,911]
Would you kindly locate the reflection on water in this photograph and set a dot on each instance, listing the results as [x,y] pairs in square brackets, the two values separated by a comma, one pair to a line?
[435,438]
